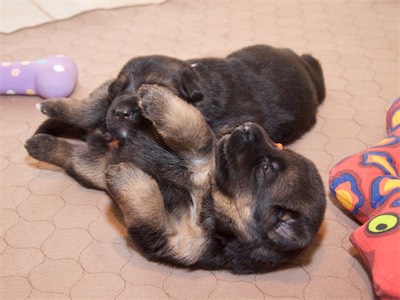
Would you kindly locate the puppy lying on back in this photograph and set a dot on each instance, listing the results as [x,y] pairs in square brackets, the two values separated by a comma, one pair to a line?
[237,203]
[272,87]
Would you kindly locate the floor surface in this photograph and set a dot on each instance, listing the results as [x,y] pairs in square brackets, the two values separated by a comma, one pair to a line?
[17,14]
[59,240]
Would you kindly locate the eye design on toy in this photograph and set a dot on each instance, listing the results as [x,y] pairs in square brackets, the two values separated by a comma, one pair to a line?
[383,223]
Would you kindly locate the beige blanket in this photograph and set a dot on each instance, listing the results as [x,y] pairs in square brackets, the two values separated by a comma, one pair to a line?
[59,240]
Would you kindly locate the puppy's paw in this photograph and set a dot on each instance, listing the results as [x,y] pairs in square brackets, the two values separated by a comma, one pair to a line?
[114,171]
[51,108]
[117,178]
[153,100]
[125,180]
[154,93]
[41,146]
[98,140]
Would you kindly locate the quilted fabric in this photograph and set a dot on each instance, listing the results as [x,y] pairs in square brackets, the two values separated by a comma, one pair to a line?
[59,240]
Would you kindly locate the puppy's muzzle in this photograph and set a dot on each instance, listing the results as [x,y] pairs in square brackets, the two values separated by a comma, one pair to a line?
[126,111]
[251,133]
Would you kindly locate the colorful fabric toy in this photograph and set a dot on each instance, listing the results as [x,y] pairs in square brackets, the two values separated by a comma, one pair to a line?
[368,185]
[50,77]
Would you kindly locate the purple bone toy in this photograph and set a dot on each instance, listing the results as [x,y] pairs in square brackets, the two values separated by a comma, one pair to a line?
[50,77]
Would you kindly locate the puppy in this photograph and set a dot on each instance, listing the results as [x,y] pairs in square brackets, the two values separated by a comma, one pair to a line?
[237,203]
[272,87]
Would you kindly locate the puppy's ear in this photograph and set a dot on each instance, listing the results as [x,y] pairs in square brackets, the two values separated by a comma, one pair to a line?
[117,86]
[191,82]
[289,229]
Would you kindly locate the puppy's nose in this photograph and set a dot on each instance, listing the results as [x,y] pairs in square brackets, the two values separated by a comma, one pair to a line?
[246,126]
[121,113]
[124,110]
[248,133]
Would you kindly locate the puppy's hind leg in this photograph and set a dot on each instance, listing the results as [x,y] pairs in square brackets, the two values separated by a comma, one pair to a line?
[160,235]
[85,164]
[139,198]
[317,76]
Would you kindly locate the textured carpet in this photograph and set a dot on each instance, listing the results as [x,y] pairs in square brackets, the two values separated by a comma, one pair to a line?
[59,240]
[15,15]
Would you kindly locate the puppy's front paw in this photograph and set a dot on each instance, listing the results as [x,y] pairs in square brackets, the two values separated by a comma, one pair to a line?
[117,178]
[41,146]
[114,171]
[152,100]
[98,140]
[122,183]
[125,180]
[51,108]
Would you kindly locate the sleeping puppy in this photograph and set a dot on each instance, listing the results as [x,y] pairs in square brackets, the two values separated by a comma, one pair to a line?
[272,87]
[237,203]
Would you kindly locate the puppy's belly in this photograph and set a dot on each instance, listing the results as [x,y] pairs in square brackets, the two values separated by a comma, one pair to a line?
[186,238]
[200,167]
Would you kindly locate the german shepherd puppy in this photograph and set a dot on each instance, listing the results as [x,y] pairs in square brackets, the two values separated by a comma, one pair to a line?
[272,87]
[237,203]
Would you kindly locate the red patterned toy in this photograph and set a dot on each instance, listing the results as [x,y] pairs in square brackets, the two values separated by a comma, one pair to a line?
[368,185]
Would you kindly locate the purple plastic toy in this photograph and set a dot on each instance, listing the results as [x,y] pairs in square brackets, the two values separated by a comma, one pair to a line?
[49,77]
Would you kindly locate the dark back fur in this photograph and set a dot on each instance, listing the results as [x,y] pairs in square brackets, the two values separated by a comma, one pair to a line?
[196,189]
[273,87]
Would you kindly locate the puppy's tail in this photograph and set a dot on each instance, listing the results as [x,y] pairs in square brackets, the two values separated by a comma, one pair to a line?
[317,75]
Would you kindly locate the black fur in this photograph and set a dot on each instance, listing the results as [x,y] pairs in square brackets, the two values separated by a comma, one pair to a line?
[237,203]
[214,194]
[272,87]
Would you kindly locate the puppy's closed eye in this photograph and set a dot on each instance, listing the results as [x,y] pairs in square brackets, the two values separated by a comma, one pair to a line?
[269,165]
